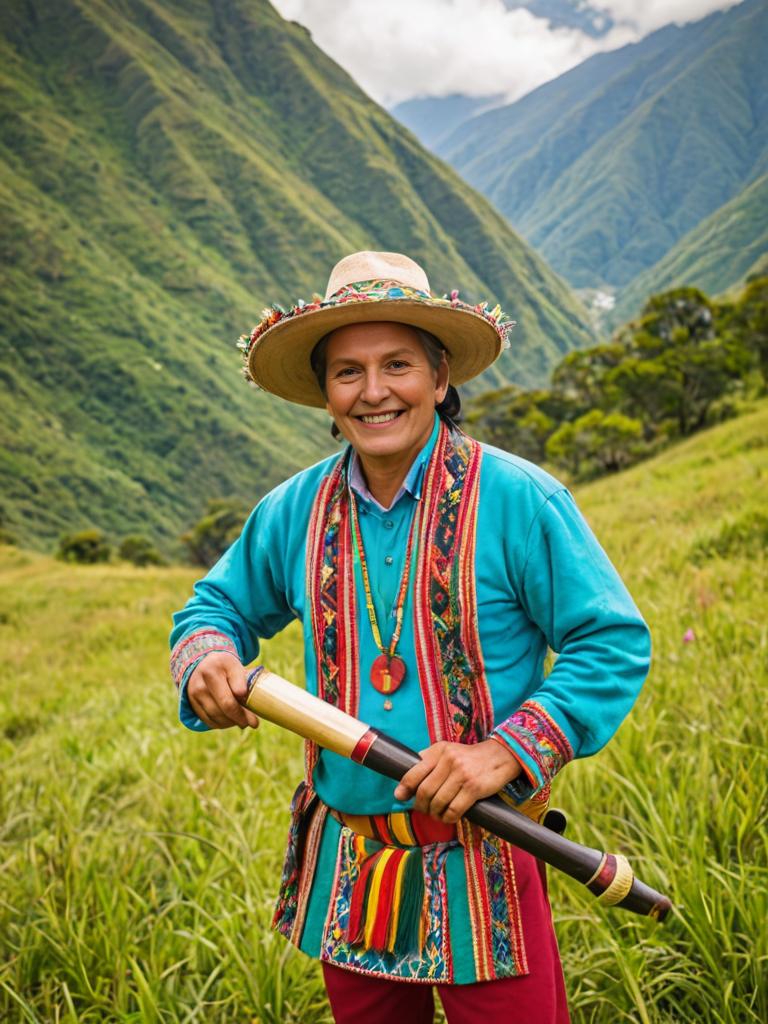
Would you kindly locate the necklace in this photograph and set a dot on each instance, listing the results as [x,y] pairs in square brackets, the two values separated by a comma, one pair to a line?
[387,670]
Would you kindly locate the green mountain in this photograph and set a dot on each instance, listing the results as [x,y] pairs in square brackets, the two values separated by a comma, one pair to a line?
[433,118]
[166,169]
[724,249]
[607,167]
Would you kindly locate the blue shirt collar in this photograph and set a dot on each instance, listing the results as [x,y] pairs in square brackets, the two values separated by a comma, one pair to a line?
[413,480]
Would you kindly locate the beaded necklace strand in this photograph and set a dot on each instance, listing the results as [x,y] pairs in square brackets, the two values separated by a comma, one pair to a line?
[387,670]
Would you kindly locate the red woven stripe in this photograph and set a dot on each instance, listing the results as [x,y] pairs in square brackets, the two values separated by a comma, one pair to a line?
[384,908]
[429,830]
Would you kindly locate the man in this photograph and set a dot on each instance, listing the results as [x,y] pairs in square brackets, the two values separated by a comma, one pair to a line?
[431,574]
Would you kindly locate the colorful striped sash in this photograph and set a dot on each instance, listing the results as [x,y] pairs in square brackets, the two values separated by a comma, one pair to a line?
[400,828]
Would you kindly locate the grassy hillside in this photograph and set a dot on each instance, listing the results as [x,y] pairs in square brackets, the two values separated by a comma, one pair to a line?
[607,167]
[720,252]
[166,169]
[141,861]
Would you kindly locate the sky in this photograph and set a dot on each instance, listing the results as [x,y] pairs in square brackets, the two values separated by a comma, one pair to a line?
[401,49]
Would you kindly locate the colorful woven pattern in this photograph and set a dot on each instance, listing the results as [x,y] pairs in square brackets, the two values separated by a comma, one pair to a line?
[389,912]
[371,291]
[190,649]
[538,737]
[308,816]
[401,828]
[448,647]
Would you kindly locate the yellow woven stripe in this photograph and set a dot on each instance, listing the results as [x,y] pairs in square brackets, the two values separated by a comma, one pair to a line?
[392,933]
[359,823]
[373,894]
[400,824]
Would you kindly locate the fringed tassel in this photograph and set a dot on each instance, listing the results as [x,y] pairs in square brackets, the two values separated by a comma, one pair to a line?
[387,902]
[411,904]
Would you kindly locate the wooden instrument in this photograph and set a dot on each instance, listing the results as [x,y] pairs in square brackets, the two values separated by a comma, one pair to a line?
[607,875]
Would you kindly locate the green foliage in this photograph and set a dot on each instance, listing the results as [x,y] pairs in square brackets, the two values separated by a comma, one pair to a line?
[209,538]
[86,547]
[595,443]
[745,536]
[516,420]
[141,861]
[685,363]
[139,550]
[165,171]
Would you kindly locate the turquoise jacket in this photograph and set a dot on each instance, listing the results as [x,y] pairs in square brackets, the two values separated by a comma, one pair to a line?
[542,581]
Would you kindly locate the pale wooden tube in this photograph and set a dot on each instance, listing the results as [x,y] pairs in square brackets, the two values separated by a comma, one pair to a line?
[291,707]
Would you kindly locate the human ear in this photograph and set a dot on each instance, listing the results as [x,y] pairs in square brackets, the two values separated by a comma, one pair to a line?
[441,380]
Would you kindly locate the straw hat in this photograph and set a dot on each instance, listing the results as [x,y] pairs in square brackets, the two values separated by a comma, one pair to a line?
[363,287]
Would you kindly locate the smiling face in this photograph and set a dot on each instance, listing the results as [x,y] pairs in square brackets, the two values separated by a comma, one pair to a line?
[381,390]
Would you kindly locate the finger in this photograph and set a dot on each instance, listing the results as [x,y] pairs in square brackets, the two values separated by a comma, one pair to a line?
[413,778]
[456,809]
[432,785]
[219,689]
[237,678]
[444,796]
[208,711]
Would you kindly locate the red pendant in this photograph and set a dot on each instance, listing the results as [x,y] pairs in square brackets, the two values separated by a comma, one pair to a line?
[387,673]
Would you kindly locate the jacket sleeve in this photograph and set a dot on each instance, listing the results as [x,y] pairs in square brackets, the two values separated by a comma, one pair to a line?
[242,598]
[571,591]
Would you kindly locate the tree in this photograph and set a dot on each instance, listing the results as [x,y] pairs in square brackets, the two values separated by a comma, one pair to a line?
[596,442]
[516,420]
[675,365]
[579,377]
[747,319]
[86,547]
[212,535]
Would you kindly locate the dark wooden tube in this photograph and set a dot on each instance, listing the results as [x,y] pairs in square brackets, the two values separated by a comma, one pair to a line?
[608,876]
[391,758]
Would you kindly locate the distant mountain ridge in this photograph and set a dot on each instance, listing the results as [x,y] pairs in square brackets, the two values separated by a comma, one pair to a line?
[165,170]
[606,168]
[723,250]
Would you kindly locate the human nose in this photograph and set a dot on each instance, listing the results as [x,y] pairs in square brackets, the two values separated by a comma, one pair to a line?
[375,387]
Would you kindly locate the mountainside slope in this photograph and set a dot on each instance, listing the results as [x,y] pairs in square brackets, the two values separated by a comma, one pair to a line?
[721,251]
[166,169]
[605,168]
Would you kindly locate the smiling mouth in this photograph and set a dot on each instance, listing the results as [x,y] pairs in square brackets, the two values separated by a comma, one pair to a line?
[380,417]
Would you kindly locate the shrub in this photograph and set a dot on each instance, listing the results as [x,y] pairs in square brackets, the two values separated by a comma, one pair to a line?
[211,536]
[139,550]
[86,547]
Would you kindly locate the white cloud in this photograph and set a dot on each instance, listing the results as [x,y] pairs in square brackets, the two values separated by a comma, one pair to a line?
[405,48]
[647,15]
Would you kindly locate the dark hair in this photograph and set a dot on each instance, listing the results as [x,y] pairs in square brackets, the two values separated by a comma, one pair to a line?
[450,407]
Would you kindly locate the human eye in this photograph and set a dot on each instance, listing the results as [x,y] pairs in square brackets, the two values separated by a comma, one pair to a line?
[398,364]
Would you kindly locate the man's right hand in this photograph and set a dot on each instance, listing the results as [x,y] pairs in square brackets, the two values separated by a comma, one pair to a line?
[216,689]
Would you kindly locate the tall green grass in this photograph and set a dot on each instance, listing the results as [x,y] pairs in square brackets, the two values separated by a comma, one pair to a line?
[140,861]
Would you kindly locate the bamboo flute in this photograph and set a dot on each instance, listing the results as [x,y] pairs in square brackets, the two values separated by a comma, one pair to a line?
[608,876]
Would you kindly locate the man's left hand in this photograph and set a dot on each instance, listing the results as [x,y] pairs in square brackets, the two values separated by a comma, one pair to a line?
[452,776]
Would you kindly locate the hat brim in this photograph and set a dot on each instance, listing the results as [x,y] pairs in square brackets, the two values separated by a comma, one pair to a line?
[279,361]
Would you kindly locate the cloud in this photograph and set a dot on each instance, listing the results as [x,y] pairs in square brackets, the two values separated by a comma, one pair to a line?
[403,48]
[647,15]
